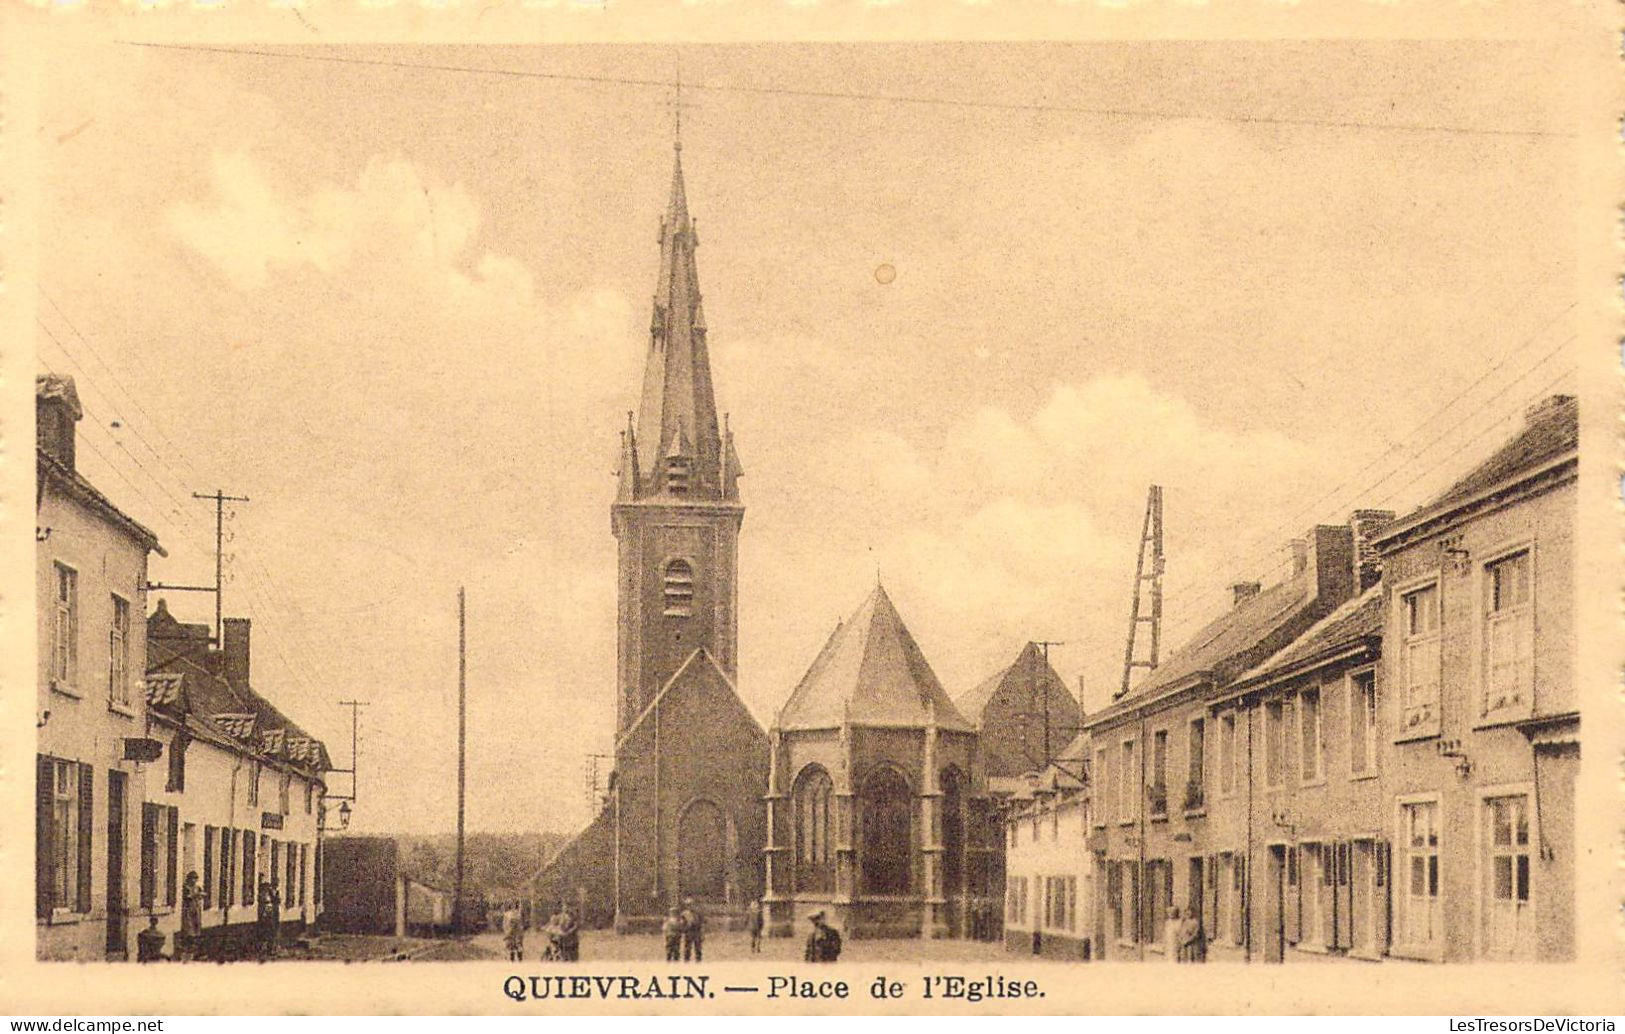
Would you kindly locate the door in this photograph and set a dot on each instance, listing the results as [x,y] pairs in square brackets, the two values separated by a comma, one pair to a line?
[1509,925]
[702,840]
[1197,901]
[1275,922]
[117,932]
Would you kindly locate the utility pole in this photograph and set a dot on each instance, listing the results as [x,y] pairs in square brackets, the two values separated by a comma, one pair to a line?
[220,499]
[462,732]
[1150,548]
[1044,645]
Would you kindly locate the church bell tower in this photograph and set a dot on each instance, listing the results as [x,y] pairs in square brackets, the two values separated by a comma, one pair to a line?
[677,513]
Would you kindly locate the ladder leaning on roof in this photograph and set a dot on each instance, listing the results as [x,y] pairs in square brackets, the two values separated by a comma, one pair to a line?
[1150,540]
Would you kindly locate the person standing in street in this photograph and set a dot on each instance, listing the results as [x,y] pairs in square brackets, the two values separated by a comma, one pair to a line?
[672,930]
[753,921]
[569,934]
[693,932]
[191,932]
[269,917]
[824,943]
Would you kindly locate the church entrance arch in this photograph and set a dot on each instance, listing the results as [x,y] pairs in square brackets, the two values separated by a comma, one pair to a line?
[888,813]
[702,852]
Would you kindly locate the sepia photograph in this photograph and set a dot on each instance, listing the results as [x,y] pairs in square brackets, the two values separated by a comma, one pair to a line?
[996,508]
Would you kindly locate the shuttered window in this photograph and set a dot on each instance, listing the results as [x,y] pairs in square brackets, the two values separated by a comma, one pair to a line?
[207,879]
[87,779]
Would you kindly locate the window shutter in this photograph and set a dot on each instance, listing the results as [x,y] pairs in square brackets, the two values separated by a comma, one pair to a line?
[149,853]
[173,861]
[208,866]
[1293,905]
[87,792]
[1345,913]
[45,799]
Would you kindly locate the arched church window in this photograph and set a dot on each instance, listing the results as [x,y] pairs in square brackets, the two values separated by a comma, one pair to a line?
[677,585]
[815,833]
[952,811]
[888,826]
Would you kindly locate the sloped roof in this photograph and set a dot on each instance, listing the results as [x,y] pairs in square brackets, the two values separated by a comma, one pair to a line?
[1028,666]
[699,656]
[871,672]
[1551,429]
[1348,625]
[1236,630]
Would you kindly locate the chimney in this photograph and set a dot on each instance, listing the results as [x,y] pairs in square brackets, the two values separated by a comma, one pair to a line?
[1366,525]
[1329,561]
[1244,591]
[56,412]
[234,650]
[1299,548]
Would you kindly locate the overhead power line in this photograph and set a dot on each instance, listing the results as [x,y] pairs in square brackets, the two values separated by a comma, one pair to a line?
[885,98]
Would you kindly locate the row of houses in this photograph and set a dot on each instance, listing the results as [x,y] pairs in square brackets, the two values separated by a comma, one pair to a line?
[1374,758]
[157,758]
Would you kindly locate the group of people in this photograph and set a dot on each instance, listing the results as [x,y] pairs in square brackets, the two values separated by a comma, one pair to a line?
[684,930]
[189,938]
[1184,938]
[562,935]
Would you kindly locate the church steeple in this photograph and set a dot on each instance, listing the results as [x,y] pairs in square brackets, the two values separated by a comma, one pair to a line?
[677,443]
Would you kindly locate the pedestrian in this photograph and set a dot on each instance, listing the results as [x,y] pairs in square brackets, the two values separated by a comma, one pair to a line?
[824,943]
[569,934]
[672,929]
[191,931]
[550,950]
[1193,946]
[1173,939]
[269,916]
[693,931]
[753,921]
[149,943]
[513,935]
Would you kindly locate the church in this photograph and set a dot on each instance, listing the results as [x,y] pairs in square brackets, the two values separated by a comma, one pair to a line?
[867,801]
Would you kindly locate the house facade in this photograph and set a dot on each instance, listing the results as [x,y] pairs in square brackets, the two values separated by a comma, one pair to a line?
[1484,744]
[96,759]
[1169,815]
[1050,898]
[241,797]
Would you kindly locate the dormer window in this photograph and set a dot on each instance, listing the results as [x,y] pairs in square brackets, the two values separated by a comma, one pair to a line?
[677,472]
[677,586]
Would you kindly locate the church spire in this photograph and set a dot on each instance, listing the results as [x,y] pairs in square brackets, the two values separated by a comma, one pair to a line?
[678,445]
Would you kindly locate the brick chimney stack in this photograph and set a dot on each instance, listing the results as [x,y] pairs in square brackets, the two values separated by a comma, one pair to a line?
[56,413]
[234,650]
[1367,525]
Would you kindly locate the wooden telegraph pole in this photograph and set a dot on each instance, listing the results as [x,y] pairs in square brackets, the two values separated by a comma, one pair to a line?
[462,733]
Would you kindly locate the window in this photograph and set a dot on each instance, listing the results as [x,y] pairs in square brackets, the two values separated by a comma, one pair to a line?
[304,878]
[63,836]
[282,792]
[188,849]
[1227,754]
[1272,744]
[1193,779]
[1126,913]
[253,783]
[1363,724]
[1509,636]
[677,475]
[1015,900]
[1419,657]
[307,787]
[177,763]
[677,586]
[1508,922]
[1158,790]
[815,856]
[65,628]
[1419,830]
[160,835]
[118,654]
[227,866]
[1127,788]
[290,887]
[888,833]
[1309,736]
[1060,903]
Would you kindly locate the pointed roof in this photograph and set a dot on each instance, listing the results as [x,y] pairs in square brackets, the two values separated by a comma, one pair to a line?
[678,412]
[1022,674]
[871,672]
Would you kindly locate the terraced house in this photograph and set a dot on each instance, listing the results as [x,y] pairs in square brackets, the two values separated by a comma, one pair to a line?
[1484,742]
[94,754]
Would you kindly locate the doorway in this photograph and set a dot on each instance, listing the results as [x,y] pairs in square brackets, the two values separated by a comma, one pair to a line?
[117,932]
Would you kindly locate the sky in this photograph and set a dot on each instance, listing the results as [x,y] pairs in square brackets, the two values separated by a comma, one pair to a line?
[404,311]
